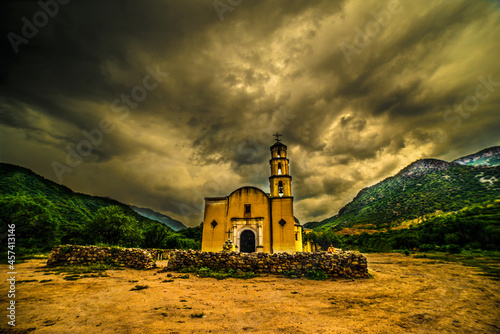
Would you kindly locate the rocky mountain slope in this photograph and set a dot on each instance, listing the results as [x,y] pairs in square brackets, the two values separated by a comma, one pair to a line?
[426,186]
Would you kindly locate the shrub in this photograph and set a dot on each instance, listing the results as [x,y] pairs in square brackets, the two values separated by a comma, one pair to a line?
[453,249]
[218,274]
[317,275]
[427,247]
[66,249]
[290,273]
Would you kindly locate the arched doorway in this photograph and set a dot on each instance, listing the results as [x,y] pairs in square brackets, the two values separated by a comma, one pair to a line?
[247,242]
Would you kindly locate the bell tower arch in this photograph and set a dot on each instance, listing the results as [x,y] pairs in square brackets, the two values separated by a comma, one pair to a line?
[280,181]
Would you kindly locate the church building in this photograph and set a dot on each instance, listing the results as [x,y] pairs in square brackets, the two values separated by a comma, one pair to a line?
[251,220]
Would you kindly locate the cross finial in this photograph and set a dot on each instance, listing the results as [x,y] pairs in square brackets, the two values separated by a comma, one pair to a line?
[277,135]
[228,234]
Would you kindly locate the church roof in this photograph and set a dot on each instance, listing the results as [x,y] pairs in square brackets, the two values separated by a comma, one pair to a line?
[297,222]
[277,144]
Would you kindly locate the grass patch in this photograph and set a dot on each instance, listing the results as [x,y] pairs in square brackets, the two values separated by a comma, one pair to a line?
[487,262]
[74,272]
[83,269]
[219,274]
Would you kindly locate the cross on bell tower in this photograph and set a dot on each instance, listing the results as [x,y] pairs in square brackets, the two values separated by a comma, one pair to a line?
[277,135]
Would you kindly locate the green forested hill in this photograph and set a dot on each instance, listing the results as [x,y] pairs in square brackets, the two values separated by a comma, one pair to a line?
[424,187]
[430,204]
[46,214]
[476,227]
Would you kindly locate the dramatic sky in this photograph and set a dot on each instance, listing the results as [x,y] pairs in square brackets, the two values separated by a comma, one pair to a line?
[180,98]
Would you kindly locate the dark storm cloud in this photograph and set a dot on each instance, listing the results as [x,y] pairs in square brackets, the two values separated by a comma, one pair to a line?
[206,128]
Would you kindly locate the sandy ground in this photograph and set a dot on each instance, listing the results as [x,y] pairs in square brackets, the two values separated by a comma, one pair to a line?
[406,295]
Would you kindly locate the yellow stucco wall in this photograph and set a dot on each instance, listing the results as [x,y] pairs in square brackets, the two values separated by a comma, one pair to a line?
[213,237]
[283,235]
[298,238]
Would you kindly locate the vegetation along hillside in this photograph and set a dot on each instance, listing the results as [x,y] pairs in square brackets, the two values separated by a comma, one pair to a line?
[421,205]
[47,214]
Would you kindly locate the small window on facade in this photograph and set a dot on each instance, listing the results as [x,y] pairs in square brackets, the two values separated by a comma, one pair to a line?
[282,222]
[213,223]
[248,208]
[296,237]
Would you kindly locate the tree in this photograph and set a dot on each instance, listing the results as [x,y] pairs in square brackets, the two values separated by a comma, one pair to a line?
[111,225]
[194,233]
[155,235]
[37,220]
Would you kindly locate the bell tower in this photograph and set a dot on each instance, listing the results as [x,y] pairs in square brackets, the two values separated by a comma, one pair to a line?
[280,182]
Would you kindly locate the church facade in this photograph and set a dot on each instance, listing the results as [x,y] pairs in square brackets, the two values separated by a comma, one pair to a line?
[252,220]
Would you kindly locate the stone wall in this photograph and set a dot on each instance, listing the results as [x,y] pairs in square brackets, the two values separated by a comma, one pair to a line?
[161,254]
[127,257]
[338,264]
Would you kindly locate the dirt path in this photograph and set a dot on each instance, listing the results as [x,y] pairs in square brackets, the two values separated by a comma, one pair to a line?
[406,295]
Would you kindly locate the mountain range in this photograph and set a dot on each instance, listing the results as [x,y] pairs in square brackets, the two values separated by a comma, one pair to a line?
[153,215]
[425,187]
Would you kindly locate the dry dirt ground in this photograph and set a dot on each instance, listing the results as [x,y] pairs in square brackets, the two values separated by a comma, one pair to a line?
[405,295]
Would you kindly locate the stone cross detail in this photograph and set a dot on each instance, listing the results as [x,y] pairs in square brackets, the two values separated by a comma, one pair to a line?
[277,135]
